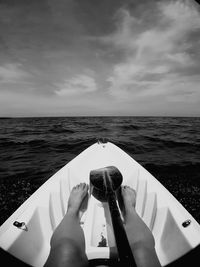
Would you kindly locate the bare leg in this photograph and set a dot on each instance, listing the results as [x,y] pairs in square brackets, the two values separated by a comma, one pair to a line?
[140,237]
[68,242]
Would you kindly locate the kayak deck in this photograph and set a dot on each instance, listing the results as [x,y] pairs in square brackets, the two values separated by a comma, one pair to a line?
[44,210]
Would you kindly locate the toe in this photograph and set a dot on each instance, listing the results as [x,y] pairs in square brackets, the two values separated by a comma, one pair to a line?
[83,185]
[133,191]
[74,187]
[123,188]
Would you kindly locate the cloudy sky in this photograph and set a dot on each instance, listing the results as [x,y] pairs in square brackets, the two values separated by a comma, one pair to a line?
[99,57]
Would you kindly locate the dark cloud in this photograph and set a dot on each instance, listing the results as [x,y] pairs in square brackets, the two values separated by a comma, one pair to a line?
[98,17]
[116,46]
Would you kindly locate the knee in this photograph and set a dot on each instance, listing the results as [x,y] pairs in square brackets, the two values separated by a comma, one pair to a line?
[62,253]
[145,240]
[142,237]
[67,247]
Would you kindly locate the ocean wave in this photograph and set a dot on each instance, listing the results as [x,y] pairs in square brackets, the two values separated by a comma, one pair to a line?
[129,127]
[174,166]
[60,130]
[73,145]
[129,147]
[11,143]
[27,132]
[146,139]
[172,143]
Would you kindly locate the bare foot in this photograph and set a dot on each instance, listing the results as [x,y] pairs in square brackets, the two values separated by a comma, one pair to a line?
[129,199]
[77,196]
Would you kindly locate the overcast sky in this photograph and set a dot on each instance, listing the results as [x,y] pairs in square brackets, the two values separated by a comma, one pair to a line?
[99,57]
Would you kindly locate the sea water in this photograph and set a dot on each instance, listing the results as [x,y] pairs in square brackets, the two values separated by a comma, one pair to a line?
[33,149]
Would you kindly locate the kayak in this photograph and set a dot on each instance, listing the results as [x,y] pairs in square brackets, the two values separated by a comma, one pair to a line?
[27,232]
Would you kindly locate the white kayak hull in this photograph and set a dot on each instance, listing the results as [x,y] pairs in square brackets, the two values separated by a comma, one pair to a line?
[44,210]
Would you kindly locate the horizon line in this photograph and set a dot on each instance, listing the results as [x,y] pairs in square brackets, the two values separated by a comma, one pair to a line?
[92,116]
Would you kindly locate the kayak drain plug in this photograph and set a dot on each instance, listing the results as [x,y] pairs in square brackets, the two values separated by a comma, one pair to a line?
[21,225]
[186,223]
